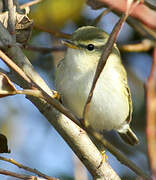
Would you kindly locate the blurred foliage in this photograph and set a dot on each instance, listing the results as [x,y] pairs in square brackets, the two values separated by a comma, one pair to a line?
[55,13]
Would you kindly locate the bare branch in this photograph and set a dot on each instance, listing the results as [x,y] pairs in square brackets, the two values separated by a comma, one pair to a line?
[35,171]
[105,54]
[118,154]
[43,49]
[97,20]
[141,28]
[13,66]
[12,18]
[31,3]
[53,32]
[151,116]
[142,12]
[150,4]
[17,175]
[32,82]
[145,45]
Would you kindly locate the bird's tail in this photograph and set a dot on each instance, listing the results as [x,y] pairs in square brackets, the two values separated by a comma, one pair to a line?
[129,137]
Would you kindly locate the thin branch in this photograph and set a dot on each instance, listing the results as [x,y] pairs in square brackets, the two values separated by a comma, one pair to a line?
[105,54]
[35,171]
[28,92]
[31,3]
[12,18]
[43,49]
[16,175]
[150,4]
[13,66]
[141,28]
[48,98]
[151,116]
[53,32]
[118,154]
[145,45]
[142,12]
[98,19]
[16,3]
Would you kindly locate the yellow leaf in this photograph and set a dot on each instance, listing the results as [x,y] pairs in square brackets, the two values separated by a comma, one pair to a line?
[54,14]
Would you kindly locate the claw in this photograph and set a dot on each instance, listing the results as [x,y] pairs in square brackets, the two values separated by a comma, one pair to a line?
[56,95]
[104,158]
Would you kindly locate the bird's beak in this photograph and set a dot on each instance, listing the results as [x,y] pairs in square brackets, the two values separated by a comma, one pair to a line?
[69,44]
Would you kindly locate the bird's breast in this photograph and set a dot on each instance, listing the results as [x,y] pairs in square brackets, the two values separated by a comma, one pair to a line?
[109,106]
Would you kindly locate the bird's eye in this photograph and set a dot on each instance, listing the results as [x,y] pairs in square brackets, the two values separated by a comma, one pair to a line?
[90,47]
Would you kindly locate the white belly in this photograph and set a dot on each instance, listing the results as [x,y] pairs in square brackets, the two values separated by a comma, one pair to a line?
[109,107]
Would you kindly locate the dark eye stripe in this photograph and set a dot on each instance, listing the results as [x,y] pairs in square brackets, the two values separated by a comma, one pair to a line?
[98,48]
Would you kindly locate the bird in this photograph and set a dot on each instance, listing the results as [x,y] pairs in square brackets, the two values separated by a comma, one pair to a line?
[111,104]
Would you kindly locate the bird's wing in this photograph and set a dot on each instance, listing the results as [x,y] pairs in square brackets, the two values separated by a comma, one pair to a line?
[128,94]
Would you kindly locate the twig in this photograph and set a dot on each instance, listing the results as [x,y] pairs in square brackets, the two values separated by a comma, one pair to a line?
[31,3]
[13,66]
[105,54]
[141,29]
[142,12]
[118,154]
[149,4]
[17,175]
[35,171]
[11,18]
[48,98]
[53,32]
[151,116]
[97,20]
[145,45]
[43,49]
[16,3]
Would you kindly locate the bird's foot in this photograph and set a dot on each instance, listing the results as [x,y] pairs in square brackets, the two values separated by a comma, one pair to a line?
[56,95]
[104,158]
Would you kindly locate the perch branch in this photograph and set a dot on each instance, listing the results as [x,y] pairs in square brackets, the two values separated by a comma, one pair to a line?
[118,154]
[35,171]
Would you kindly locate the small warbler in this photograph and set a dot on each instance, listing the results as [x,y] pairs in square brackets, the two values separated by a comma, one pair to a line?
[111,104]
